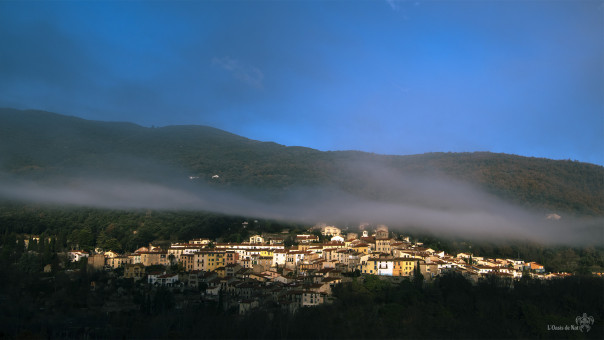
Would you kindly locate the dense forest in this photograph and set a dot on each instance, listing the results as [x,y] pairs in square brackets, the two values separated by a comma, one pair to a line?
[125,231]
[44,146]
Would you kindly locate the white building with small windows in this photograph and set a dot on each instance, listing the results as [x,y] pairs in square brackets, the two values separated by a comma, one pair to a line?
[257,239]
[279,257]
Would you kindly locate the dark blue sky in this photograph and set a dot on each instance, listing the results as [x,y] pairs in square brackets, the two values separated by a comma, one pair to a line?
[395,77]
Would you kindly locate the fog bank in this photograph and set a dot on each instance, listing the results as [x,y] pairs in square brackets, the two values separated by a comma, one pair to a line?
[431,203]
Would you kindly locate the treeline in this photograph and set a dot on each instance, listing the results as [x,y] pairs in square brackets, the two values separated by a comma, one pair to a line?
[125,231]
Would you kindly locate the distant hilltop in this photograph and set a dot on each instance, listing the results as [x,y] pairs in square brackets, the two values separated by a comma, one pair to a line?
[41,145]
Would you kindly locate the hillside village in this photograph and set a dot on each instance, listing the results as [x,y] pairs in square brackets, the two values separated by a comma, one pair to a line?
[264,272]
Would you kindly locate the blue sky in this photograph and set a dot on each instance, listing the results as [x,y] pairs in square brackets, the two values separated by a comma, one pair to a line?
[393,77]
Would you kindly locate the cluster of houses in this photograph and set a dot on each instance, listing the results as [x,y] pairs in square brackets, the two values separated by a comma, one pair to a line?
[263,271]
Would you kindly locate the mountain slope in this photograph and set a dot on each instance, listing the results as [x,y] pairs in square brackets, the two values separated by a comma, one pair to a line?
[44,145]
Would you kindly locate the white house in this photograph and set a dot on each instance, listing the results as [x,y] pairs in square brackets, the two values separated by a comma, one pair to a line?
[167,279]
[77,255]
[257,239]
[337,238]
[152,277]
[279,257]
[482,269]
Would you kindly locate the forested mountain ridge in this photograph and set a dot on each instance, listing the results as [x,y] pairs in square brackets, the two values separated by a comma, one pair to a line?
[41,145]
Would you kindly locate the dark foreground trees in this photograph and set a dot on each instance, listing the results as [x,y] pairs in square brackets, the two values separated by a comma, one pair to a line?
[452,307]
[65,306]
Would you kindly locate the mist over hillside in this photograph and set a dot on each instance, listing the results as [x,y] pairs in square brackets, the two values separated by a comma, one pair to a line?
[46,157]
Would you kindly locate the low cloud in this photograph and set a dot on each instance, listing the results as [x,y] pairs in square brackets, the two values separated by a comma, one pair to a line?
[430,203]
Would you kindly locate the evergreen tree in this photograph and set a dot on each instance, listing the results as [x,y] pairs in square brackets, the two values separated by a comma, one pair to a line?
[418,277]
